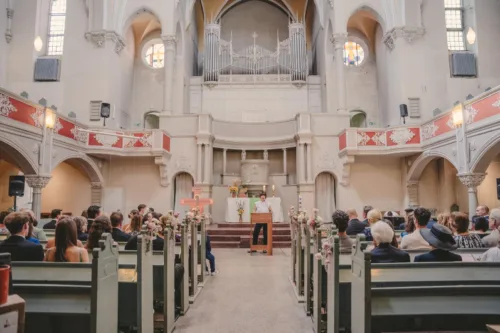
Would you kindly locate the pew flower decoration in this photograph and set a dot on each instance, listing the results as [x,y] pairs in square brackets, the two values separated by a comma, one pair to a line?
[315,221]
[170,221]
[291,213]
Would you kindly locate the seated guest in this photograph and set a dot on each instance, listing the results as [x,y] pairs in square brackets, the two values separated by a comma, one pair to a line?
[116,222]
[55,215]
[36,232]
[141,209]
[414,240]
[482,211]
[102,224]
[210,257]
[493,238]
[408,213]
[372,216]
[148,217]
[441,240]
[492,255]
[93,212]
[135,225]
[158,242]
[431,222]
[384,252]
[481,226]
[355,226]
[394,238]
[463,238]
[3,228]
[52,242]
[81,228]
[65,249]
[19,248]
[445,219]
[341,220]
[29,236]
[409,226]
[366,209]
[84,214]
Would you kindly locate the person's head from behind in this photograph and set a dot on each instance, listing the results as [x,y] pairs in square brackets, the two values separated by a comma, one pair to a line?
[100,225]
[352,213]
[148,217]
[341,220]
[494,219]
[141,209]
[81,224]
[263,196]
[3,215]
[136,223]
[85,214]
[55,214]
[132,213]
[482,224]
[94,212]
[156,215]
[482,210]
[116,219]
[382,233]
[18,223]
[408,211]
[33,219]
[445,219]
[366,209]
[410,224]
[65,237]
[461,223]
[373,216]
[422,216]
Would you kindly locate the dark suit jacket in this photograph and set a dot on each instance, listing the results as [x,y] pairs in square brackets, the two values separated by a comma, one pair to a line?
[158,244]
[438,255]
[119,236]
[50,225]
[355,227]
[386,253]
[22,250]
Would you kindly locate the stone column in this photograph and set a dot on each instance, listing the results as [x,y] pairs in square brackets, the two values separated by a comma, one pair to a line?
[472,181]
[284,161]
[96,193]
[199,165]
[243,155]
[169,62]
[309,160]
[37,183]
[300,164]
[224,161]
[208,167]
[339,40]
[412,188]
[266,155]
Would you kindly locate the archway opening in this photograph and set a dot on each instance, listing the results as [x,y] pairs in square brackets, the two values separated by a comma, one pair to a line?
[183,188]
[152,120]
[325,199]
[358,119]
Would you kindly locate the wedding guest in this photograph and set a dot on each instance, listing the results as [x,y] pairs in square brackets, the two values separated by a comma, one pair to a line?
[409,226]
[465,239]
[52,242]
[101,225]
[92,213]
[84,214]
[384,252]
[355,226]
[148,217]
[481,226]
[81,228]
[210,257]
[135,225]
[446,220]
[341,220]
[493,238]
[19,248]
[366,209]
[372,217]
[37,233]
[414,240]
[492,255]
[158,242]
[65,249]
[441,240]
[116,222]
[55,215]
[3,228]
[141,209]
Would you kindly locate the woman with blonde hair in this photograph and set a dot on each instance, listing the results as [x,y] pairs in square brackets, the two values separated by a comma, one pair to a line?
[373,216]
[446,220]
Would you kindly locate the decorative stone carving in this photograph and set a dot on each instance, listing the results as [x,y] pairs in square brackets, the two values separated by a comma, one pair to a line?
[363,138]
[8,31]
[36,181]
[326,162]
[255,171]
[183,163]
[497,103]
[412,188]
[402,136]
[106,140]
[408,33]
[145,141]
[449,123]
[388,40]
[163,168]
[339,40]
[80,136]
[170,42]
[380,139]
[96,185]
[346,170]
[470,114]
[471,180]
[429,130]
[6,107]
[99,38]
[37,117]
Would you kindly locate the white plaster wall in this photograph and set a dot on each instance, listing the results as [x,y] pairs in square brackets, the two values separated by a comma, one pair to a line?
[263,18]
[487,191]
[3,45]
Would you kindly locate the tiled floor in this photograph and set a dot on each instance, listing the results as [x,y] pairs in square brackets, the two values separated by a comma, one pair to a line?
[250,294]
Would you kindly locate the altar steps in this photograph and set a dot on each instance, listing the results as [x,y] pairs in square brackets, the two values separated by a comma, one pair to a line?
[237,235]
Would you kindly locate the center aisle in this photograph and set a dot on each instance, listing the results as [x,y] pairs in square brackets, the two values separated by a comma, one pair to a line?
[250,294]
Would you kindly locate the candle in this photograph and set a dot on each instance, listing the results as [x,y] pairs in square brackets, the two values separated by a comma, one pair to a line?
[264,188]
[273,187]
[300,202]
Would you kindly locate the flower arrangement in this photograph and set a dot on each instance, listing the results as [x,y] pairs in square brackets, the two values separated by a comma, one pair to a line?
[233,190]
[315,221]
[195,216]
[170,221]
[326,250]
[240,204]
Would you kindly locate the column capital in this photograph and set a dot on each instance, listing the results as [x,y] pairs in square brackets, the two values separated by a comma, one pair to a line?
[170,42]
[96,185]
[284,149]
[266,155]
[37,181]
[339,39]
[471,180]
[412,183]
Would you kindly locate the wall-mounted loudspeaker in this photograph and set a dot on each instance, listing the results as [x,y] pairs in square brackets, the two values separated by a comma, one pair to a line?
[403,110]
[16,186]
[105,110]
[498,188]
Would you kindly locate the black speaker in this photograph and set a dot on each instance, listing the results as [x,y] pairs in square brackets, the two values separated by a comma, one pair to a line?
[16,186]
[403,110]
[498,188]
[105,110]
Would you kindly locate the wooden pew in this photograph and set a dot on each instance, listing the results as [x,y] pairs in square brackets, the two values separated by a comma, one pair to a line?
[88,290]
[297,262]
[458,290]
[307,271]
[194,289]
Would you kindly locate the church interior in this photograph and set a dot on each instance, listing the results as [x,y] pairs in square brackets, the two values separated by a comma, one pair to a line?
[160,133]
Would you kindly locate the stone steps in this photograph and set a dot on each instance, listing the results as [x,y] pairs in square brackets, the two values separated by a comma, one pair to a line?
[237,235]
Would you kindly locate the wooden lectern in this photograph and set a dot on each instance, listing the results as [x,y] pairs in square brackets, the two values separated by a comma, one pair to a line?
[263,218]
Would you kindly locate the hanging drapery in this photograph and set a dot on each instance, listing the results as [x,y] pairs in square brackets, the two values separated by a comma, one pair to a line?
[325,195]
[183,190]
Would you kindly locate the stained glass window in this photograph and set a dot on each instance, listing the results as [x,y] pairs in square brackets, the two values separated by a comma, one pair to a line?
[354,54]
[155,55]
[453,13]
[57,24]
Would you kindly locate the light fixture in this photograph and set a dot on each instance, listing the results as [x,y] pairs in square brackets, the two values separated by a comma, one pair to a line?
[38,44]
[458,115]
[471,36]
[50,119]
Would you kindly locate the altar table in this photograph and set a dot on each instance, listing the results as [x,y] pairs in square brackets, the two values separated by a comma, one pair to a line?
[249,204]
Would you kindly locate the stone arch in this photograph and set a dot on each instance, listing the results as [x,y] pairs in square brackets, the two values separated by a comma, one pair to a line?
[356,113]
[328,204]
[422,161]
[84,164]
[15,154]
[133,14]
[284,7]
[175,201]
[484,157]
[368,8]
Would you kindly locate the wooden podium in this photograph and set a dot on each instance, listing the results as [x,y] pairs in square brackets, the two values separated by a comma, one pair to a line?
[262,218]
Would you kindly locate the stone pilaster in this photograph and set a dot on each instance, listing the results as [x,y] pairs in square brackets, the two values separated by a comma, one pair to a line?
[412,188]
[37,183]
[170,43]
[96,193]
[472,181]
[339,40]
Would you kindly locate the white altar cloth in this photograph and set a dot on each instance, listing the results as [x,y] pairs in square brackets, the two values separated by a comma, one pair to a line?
[232,209]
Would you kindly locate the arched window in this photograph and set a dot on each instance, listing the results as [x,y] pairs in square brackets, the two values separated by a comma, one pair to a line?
[57,24]
[155,54]
[151,120]
[354,54]
[358,119]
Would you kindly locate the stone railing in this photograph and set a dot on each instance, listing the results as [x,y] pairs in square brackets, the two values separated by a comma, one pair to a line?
[18,112]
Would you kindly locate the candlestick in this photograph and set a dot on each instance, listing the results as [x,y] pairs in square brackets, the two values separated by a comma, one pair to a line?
[264,188]
[273,189]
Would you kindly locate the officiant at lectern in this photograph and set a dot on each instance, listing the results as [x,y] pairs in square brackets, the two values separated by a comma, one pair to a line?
[261,206]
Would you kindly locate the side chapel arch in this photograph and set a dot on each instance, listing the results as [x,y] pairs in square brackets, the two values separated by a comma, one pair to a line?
[14,153]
